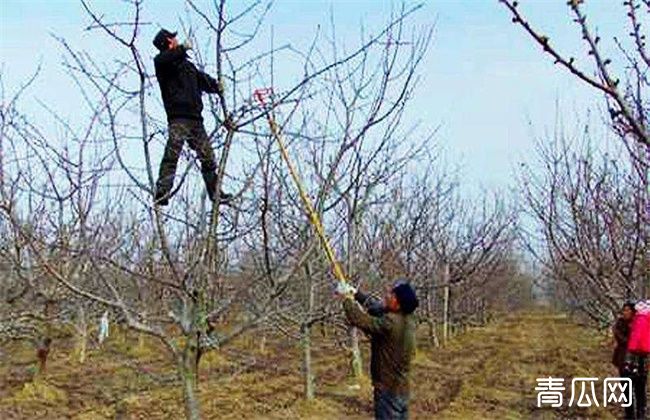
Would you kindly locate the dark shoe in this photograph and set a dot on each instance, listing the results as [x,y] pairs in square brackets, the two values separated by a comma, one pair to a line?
[161,200]
[224,197]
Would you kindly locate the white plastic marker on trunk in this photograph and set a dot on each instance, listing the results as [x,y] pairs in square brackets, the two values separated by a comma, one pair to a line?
[103,328]
[313,216]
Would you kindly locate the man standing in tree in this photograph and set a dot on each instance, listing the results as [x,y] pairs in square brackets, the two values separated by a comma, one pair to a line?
[391,326]
[181,85]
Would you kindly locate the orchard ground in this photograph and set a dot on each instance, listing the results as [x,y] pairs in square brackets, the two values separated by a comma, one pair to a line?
[485,372]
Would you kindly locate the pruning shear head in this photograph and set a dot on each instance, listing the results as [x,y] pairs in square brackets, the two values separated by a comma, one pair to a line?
[262,93]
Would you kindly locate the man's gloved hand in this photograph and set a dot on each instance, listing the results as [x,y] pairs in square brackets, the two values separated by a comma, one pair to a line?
[345,289]
[187,44]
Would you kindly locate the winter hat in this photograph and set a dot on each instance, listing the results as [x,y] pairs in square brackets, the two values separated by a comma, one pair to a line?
[160,40]
[643,307]
[405,296]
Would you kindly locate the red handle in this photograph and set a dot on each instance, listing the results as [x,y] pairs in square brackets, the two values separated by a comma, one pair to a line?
[259,94]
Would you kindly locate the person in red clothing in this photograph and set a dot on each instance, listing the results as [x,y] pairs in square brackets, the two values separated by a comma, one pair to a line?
[636,360]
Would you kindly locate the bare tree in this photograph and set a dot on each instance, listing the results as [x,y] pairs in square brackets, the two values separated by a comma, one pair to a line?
[588,211]
[627,102]
[77,206]
[622,77]
[354,145]
[452,249]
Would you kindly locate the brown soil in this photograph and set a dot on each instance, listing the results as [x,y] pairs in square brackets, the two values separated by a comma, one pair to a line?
[488,372]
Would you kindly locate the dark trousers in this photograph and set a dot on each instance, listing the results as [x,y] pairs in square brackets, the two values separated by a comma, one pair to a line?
[389,406]
[192,131]
[639,375]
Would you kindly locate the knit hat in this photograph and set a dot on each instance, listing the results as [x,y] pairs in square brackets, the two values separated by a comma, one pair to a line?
[160,40]
[405,296]
[643,307]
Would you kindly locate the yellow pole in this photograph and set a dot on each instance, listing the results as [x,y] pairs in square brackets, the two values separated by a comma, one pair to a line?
[313,216]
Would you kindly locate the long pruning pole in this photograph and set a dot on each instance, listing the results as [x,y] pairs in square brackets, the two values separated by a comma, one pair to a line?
[313,216]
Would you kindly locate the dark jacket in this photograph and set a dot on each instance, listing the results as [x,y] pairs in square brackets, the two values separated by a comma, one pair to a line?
[621,335]
[181,84]
[392,342]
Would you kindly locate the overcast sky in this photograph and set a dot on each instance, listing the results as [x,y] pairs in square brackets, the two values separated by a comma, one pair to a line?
[483,80]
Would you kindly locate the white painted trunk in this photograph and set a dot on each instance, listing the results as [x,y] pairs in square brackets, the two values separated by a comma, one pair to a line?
[308,374]
[445,325]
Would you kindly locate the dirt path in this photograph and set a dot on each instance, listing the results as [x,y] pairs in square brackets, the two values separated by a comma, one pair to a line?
[495,368]
[485,373]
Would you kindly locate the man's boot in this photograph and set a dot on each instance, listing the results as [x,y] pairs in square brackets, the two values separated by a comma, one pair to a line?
[161,198]
[210,179]
[224,197]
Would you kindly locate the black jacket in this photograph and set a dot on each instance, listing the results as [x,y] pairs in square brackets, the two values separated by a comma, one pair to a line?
[181,84]
[621,336]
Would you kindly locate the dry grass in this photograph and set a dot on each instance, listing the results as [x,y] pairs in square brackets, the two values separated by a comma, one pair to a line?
[487,372]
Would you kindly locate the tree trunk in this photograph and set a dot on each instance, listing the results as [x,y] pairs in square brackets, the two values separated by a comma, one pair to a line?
[482,310]
[141,341]
[82,339]
[445,325]
[305,331]
[357,370]
[644,278]
[187,370]
[433,335]
[263,343]
[305,336]
[445,319]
